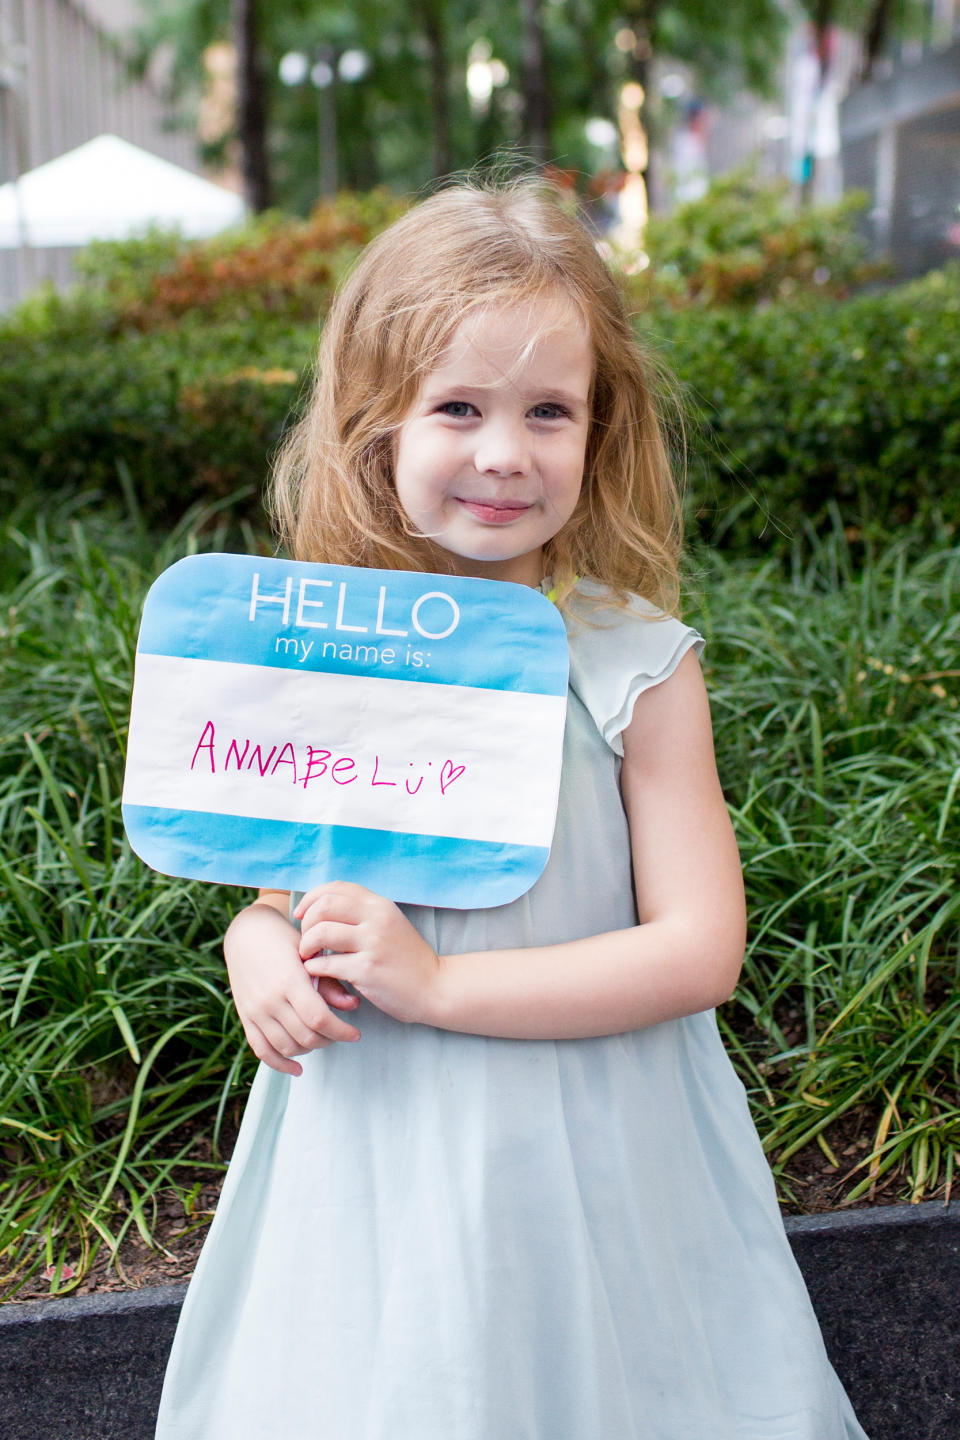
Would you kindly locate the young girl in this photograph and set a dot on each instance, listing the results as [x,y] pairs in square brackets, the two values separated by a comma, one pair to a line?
[510,1189]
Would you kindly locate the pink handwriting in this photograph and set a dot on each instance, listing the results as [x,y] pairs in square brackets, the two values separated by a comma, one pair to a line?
[301,764]
[448,773]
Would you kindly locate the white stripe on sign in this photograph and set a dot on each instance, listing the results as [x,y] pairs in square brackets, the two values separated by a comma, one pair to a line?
[344,749]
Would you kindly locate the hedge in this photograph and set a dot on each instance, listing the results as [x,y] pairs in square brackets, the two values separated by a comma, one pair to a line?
[791,410]
[799,412]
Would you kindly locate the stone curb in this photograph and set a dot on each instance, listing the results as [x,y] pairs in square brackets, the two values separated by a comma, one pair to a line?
[885,1284]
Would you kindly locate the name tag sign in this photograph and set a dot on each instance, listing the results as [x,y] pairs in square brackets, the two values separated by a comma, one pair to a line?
[293,724]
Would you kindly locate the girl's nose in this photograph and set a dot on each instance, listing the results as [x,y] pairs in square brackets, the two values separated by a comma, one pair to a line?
[503,449]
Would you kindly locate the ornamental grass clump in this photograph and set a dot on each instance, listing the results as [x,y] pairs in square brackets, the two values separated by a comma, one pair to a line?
[835,696]
[118,1043]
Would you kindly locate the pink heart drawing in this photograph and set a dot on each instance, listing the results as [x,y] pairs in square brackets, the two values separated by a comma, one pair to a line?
[448,773]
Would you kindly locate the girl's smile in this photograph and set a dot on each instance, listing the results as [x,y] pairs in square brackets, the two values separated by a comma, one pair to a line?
[494,512]
[489,462]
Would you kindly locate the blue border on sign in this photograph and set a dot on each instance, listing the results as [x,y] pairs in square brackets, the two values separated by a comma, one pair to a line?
[506,637]
[410,868]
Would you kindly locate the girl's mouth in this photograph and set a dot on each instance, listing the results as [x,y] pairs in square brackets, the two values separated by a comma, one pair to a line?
[494,512]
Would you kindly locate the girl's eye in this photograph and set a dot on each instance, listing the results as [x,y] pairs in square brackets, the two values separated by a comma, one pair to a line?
[549,411]
[458,409]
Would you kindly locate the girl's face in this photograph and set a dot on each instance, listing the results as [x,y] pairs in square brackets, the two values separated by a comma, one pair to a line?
[489,461]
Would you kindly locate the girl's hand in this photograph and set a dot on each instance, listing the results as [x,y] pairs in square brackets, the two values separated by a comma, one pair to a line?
[376,948]
[281,1012]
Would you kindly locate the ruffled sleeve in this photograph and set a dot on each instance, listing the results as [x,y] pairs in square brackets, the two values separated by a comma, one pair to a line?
[616,654]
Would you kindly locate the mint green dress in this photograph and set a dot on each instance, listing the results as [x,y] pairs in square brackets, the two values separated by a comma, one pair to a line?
[437,1236]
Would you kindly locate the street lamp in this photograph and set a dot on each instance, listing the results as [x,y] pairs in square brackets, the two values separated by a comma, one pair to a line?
[328,67]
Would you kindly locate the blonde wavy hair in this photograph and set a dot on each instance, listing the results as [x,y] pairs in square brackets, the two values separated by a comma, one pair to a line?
[333,497]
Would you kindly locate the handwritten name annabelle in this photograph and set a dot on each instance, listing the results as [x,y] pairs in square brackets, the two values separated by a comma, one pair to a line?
[300,764]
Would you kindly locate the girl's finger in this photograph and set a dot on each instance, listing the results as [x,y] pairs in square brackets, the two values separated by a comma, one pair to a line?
[333,993]
[329,935]
[266,1052]
[334,901]
[305,901]
[283,1031]
[302,1034]
[344,962]
[309,1016]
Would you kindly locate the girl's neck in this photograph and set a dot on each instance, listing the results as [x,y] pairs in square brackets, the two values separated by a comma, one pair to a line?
[520,570]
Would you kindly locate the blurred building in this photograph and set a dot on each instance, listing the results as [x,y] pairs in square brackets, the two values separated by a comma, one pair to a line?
[900,137]
[65,79]
[895,135]
[795,132]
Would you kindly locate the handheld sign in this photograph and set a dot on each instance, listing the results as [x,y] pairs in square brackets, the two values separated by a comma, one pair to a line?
[293,724]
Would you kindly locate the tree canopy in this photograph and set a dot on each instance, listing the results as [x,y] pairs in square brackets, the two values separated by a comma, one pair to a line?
[332,94]
[398,93]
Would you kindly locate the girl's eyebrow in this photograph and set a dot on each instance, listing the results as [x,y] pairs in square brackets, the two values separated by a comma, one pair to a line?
[534,395]
[564,397]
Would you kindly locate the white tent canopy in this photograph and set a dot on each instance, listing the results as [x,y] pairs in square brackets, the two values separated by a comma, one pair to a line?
[109,189]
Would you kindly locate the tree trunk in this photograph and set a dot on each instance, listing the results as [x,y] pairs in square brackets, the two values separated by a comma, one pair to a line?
[875,36]
[328,125]
[251,105]
[598,72]
[431,17]
[536,84]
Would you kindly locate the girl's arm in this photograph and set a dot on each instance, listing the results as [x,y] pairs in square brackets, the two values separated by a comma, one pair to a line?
[683,957]
[283,1015]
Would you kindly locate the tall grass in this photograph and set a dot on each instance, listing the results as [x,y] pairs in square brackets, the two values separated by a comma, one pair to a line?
[834,691]
[116,1032]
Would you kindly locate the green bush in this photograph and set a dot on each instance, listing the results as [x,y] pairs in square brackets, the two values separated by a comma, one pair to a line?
[748,241]
[174,364]
[790,408]
[273,265]
[111,982]
[794,413]
[187,413]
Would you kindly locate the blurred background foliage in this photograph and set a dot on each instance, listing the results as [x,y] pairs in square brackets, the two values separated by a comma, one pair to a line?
[176,366]
[405,93]
[747,242]
[332,96]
